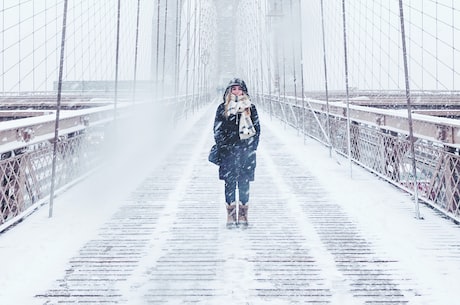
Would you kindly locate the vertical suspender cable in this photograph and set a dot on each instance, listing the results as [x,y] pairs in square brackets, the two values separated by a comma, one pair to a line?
[200,57]
[3,43]
[117,50]
[177,52]
[299,21]
[58,109]
[269,29]
[157,47]
[409,110]
[284,65]
[260,30]
[33,46]
[252,63]
[164,50]
[194,104]
[273,63]
[136,47]
[270,71]
[437,46]
[326,86]
[73,60]
[422,44]
[306,102]
[284,71]
[187,57]
[293,58]
[453,45]
[276,45]
[19,48]
[346,84]
[177,49]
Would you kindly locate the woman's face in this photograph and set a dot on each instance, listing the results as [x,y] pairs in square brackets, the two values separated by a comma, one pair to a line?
[236,90]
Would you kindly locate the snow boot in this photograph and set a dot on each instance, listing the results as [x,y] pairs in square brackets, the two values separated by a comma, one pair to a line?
[231,214]
[243,214]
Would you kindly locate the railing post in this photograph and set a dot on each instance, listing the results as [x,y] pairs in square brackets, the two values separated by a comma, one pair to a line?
[409,110]
[451,181]
[326,86]
[58,108]
[345,52]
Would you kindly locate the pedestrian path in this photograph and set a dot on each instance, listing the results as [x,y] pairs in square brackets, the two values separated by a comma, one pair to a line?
[316,236]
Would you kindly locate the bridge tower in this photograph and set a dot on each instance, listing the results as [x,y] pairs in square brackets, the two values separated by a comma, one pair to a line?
[220,28]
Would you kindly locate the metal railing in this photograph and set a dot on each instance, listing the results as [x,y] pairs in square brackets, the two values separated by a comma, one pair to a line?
[84,137]
[379,142]
[27,156]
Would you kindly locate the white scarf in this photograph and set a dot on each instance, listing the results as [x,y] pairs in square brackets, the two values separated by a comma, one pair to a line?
[242,105]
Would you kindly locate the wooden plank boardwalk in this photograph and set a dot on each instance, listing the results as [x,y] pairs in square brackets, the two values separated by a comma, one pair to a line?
[168,243]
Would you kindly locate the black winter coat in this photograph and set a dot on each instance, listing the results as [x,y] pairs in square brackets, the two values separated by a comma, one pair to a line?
[238,157]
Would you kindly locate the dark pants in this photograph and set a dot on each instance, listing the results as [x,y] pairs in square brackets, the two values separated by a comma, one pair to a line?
[230,190]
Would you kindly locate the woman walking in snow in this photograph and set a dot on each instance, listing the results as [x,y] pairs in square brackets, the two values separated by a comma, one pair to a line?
[236,132]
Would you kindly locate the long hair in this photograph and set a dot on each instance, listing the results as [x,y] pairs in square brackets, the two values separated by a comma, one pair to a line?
[228,92]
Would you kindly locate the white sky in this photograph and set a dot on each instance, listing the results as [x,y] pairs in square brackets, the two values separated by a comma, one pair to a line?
[31,37]
[36,253]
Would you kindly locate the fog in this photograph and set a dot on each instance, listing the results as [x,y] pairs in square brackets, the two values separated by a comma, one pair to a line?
[204,43]
[31,39]
[139,135]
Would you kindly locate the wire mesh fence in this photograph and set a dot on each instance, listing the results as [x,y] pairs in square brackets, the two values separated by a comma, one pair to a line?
[382,151]
[26,173]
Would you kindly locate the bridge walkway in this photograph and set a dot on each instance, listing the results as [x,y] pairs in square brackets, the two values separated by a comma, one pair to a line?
[315,235]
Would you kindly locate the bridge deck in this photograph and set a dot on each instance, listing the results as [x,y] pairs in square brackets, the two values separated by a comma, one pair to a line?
[315,236]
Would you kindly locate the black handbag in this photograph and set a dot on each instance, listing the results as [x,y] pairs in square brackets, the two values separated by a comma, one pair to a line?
[214,156]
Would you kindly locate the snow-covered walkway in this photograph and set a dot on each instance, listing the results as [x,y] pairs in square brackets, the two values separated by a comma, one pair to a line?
[154,233]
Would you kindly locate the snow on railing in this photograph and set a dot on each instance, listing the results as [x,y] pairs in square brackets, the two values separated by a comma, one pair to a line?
[26,145]
[27,150]
[380,143]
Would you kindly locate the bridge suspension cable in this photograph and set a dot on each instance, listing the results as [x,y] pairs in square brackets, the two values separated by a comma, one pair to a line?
[354,56]
[30,33]
[375,50]
[30,37]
